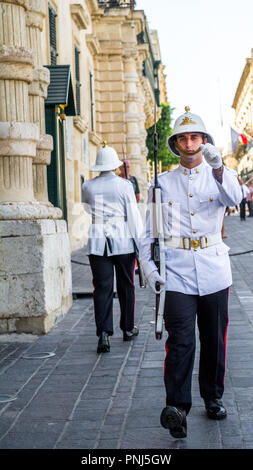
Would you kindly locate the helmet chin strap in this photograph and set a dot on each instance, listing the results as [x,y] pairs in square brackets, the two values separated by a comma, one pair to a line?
[184,152]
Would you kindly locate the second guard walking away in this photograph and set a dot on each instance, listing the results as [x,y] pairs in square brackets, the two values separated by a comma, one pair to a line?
[113,241]
[198,274]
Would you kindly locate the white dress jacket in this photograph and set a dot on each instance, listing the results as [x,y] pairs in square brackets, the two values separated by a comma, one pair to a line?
[116,220]
[193,204]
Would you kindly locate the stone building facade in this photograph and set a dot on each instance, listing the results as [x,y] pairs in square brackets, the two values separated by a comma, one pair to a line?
[243,106]
[73,73]
[35,274]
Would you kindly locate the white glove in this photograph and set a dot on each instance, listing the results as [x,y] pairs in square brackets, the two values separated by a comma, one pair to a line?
[153,278]
[212,155]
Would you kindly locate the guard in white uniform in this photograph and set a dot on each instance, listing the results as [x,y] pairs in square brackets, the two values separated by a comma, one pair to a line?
[116,226]
[198,273]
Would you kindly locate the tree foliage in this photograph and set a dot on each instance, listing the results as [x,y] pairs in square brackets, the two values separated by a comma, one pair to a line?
[164,130]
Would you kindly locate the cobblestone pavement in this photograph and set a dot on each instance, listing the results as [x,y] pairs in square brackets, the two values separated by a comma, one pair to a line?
[77,399]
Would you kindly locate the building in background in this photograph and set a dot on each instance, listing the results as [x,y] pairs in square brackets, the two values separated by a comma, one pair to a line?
[242,142]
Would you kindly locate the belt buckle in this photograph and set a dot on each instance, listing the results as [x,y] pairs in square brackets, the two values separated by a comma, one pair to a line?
[189,240]
[206,242]
[195,243]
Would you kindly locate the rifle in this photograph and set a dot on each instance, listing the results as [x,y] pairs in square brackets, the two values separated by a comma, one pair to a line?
[142,280]
[157,247]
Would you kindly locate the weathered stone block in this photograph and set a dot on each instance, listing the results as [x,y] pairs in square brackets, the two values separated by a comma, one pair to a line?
[21,295]
[35,275]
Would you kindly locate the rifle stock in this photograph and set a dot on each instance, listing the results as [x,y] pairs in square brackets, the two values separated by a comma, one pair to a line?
[157,247]
[142,279]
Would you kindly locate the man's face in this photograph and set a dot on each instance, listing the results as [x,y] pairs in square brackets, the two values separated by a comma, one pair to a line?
[188,146]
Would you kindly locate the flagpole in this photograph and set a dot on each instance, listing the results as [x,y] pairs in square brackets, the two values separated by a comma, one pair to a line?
[219,93]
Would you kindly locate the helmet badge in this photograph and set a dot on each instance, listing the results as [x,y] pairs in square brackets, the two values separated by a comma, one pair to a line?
[187,120]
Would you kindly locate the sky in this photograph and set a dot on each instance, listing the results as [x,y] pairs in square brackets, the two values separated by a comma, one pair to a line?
[204,46]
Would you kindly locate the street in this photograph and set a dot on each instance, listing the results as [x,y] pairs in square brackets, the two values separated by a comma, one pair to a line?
[77,399]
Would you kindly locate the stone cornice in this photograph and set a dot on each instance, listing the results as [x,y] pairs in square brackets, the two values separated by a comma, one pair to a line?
[28,211]
[94,138]
[80,123]
[21,3]
[92,44]
[18,139]
[115,14]
[36,14]
[139,20]
[243,79]
[93,6]
[80,16]
[16,63]
[143,50]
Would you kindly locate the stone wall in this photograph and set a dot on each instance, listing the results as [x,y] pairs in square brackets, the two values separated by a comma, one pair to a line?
[35,270]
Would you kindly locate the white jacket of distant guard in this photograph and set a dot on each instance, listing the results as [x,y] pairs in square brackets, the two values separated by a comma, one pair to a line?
[116,220]
[193,204]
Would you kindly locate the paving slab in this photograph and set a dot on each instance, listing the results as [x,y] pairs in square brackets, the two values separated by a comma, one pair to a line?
[80,400]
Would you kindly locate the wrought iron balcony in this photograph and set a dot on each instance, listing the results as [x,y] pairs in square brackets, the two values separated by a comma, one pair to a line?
[107,4]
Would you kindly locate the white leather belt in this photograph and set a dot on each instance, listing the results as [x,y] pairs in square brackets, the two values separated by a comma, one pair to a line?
[187,243]
[110,219]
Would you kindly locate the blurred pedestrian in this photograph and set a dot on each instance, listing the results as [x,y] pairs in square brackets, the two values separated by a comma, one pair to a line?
[249,200]
[114,233]
[245,191]
[198,272]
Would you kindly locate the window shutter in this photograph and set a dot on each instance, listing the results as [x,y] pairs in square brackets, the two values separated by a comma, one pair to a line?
[52,34]
[52,176]
[78,84]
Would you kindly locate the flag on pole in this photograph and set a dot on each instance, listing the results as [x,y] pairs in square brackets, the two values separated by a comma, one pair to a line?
[234,139]
[250,143]
[244,139]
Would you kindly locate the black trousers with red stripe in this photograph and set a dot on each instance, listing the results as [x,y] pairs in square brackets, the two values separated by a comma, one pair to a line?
[180,318]
[102,268]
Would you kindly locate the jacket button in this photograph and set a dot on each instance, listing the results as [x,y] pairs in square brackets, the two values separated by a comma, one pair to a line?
[192,213]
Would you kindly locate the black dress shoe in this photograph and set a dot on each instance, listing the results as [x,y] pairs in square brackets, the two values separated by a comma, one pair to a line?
[215,409]
[103,343]
[129,335]
[174,419]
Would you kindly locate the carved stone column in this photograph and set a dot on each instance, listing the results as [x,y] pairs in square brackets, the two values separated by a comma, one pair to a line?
[18,136]
[135,124]
[37,95]
[35,270]
[132,126]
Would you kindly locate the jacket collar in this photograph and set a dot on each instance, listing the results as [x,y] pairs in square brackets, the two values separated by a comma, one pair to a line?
[105,174]
[192,171]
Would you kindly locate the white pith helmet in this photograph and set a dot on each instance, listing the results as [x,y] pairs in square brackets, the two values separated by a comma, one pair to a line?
[107,159]
[187,122]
